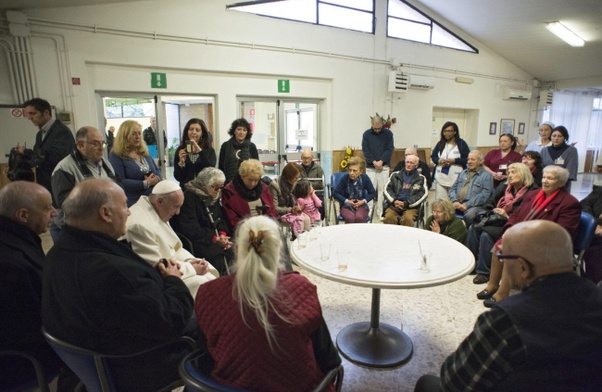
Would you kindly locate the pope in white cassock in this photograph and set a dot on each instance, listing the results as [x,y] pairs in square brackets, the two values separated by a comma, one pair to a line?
[153,239]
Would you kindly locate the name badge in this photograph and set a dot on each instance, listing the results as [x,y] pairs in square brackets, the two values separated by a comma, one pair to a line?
[503,167]
[559,161]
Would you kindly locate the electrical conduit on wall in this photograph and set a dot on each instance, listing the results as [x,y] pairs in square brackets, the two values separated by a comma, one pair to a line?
[207,41]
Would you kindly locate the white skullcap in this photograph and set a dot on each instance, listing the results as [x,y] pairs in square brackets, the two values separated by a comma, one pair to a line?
[164,187]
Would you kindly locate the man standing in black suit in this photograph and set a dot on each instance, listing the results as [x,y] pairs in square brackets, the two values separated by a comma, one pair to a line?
[151,137]
[150,133]
[54,141]
[110,138]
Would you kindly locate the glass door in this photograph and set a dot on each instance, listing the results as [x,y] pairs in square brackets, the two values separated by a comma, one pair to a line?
[300,128]
[263,117]
[281,129]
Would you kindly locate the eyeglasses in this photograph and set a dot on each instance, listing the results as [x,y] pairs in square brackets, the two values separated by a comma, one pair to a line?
[97,144]
[217,187]
[501,257]
[448,131]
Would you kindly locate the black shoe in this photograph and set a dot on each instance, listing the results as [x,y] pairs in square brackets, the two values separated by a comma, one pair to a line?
[486,294]
[489,302]
[480,279]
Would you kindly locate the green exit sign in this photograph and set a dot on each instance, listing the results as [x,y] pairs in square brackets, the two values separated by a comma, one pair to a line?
[158,80]
[284,86]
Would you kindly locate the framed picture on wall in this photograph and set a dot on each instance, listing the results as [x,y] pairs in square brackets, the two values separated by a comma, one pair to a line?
[507,126]
[521,128]
[492,128]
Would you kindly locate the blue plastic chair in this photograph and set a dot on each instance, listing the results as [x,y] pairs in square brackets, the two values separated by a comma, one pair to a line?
[94,369]
[196,367]
[335,178]
[585,234]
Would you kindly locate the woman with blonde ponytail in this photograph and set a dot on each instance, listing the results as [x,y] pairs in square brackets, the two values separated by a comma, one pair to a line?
[264,327]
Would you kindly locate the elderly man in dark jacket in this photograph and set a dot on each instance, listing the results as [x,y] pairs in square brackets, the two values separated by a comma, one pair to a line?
[404,193]
[547,338]
[25,212]
[99,295]
[423,167]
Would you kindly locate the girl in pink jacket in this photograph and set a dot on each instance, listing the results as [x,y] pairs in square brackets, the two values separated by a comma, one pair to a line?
[306,198]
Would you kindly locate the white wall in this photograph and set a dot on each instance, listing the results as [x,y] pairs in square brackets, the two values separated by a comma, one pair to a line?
[331,68]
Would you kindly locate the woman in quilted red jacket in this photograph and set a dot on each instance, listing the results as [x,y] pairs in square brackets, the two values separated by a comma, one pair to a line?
[264,327]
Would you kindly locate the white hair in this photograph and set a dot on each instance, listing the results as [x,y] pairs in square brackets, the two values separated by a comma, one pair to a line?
[258,248]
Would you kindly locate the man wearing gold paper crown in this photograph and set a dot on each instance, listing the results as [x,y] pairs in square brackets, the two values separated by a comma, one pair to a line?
[377,146]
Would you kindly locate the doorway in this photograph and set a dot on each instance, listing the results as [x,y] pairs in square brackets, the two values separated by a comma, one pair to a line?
[281,129]
[170,111]
[467,120]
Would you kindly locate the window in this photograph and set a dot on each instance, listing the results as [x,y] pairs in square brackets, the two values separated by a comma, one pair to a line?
[594,139]
[128,108]
[406,22]
[355,15]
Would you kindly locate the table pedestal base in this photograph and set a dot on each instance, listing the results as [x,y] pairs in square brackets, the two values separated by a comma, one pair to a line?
[382,347]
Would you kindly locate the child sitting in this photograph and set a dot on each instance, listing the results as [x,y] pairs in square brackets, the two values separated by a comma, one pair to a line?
[306,198]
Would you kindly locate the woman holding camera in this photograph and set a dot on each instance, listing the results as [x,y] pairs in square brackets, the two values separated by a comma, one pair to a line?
[194,153]
[132,162]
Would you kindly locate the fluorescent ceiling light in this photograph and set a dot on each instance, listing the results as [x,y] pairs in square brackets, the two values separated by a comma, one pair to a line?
[464,80]
[565,34]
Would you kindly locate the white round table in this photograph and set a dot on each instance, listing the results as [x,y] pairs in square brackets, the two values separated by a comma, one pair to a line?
[383,257]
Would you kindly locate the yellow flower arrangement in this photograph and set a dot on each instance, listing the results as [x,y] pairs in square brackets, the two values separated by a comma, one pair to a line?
[346,158]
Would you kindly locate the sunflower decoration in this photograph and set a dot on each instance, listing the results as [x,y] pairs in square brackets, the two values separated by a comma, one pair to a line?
[388,121]
[346,158]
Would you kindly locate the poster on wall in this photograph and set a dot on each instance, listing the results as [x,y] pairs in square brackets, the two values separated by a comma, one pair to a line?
[492,128]
[507,126]
[521,128]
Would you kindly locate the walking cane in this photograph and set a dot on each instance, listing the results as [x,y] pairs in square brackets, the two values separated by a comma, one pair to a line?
[214,224]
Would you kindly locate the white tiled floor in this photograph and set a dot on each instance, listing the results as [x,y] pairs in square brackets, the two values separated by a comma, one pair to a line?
[436,319]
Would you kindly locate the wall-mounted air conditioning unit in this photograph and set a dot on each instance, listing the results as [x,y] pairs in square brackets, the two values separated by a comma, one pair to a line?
[421,83]
[511,94]
[545,99]
[398,82]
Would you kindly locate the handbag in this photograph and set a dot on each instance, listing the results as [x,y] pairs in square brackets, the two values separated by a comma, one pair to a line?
[489,218]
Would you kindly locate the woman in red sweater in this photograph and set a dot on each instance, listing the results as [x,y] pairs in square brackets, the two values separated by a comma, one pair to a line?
[264,327]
